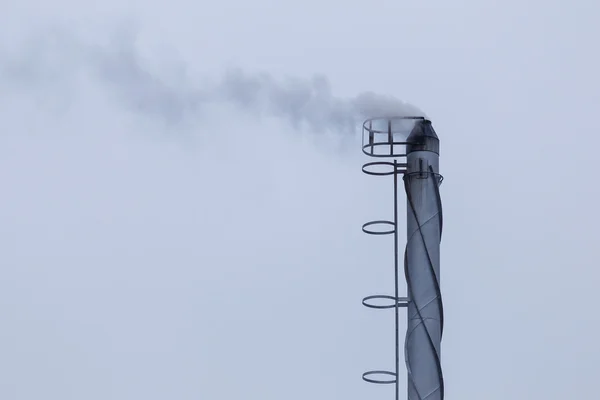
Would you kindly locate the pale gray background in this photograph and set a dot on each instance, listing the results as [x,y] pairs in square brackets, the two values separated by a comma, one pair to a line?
[154,253]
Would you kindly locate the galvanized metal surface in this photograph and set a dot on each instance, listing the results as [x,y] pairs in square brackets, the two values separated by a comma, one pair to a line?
[422,270]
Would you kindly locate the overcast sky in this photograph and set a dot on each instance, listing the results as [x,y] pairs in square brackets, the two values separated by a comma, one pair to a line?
[168,232]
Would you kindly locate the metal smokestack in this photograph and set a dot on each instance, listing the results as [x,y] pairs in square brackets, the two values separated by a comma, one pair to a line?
[414,147]
[422,264]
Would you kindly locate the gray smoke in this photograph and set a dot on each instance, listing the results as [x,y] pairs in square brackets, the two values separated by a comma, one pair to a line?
[307,101]
[303,102]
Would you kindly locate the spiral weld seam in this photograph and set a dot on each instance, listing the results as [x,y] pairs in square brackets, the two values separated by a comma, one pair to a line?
[419,307]
[396,301]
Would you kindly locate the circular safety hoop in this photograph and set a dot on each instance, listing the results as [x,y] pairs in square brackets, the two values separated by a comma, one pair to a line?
[387,136]
[391,300]
[396,124]
[370,168]
[380,381]
[393,149]
[380,223]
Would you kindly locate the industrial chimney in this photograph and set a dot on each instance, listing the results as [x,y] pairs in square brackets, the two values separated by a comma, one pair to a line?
[411,148]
